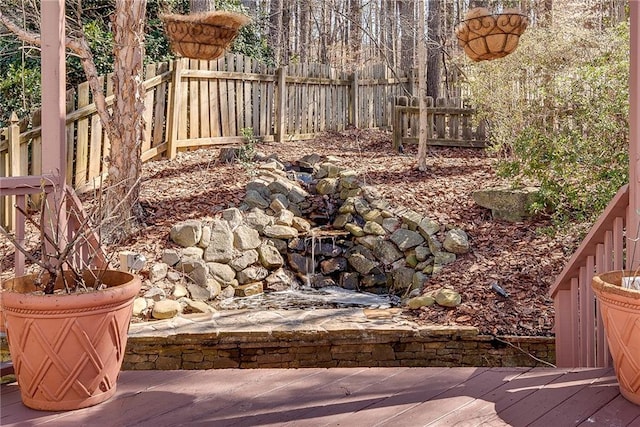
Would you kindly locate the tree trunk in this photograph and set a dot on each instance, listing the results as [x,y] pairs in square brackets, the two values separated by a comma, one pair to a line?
[196,6]
[408,28]
[434,53]
[275,29]
[422,89]
[305,25]
[126,130]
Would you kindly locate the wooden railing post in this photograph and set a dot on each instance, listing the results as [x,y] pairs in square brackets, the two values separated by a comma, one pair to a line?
[175,94]
[355,101]
[281,96]
[13,134]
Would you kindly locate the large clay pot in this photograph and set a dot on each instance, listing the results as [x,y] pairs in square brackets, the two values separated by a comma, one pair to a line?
[67,349]
[620,310]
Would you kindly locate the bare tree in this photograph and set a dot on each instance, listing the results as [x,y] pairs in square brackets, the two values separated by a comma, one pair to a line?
[434,50]
[196,6]
[123,121]
[422,89]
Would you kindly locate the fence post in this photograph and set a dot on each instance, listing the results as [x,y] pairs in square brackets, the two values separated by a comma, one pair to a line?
[355,101]
[281,75]
[174,109]
[13,136]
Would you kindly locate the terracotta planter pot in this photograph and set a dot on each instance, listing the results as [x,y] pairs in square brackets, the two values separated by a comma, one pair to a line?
[67,349]
[620,310]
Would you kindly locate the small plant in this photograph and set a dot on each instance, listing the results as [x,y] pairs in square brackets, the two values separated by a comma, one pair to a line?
[247,152]
[64,253]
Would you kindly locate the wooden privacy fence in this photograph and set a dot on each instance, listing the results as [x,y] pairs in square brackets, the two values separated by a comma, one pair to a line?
[193,103]
[449,124]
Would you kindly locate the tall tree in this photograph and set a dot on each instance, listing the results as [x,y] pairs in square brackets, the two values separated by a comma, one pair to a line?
[406,11]
[422,89]
[275,28]
[123,121]
[196,6]
[434,49]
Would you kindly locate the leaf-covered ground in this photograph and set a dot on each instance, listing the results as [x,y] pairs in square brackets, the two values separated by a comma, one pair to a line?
[521,257]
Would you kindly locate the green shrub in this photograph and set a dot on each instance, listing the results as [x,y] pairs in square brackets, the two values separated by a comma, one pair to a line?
[558,109]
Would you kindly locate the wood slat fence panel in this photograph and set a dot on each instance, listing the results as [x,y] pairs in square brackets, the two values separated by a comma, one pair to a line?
[192,103]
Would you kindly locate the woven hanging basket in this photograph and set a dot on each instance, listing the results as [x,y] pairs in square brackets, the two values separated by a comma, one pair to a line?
[485,36]
[203,35]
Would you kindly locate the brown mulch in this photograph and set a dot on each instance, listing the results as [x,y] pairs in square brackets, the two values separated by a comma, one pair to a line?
[520,257]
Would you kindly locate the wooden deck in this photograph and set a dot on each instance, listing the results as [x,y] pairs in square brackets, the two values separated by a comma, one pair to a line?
[349,397]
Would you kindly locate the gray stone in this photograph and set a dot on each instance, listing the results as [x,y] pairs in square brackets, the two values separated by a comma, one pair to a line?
[282,186]
[228,292]
[244,260]
[155,293]
[422,253]
[186,233]
[361,206]
[255,200]
[171,257]
[391,224]
[300,263]
[220,248]
[277,205]
[179,291]
[418,280]
[221,272]
[420,301]
[402,278]
[327,186]
[196,306]
[349,280]
[341,220]
[258,219]
[280,232]
[448,298]
[139,306]
[354,229]
[206,236]
[387,252]
[252,274]
[369,241]
[348,206]
[428,227]
[360,263]
[509,204]
[412,219]
[174,276]
[456,241]
[443,258]
[301,224]
[371,280]
[280,280]
[192,252]
[406,239]
[270,257]
[195,270]
[348,193]
[297,195]
[374,228]
[233,216]
[245,238]
[333,265]
[285,217]
[249,289]
[349,179]
[281,245]
[374,215]
[259,185]
[166,309]
[158,271]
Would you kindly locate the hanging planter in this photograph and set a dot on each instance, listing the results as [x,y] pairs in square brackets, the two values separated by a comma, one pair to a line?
[203,35]
[486,36]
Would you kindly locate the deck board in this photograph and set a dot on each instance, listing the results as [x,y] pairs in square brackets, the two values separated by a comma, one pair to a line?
[348,397]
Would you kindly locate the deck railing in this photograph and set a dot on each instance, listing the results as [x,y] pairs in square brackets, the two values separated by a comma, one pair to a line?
[580,337]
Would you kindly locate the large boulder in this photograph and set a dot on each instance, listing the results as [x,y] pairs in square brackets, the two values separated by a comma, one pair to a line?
[509,204]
